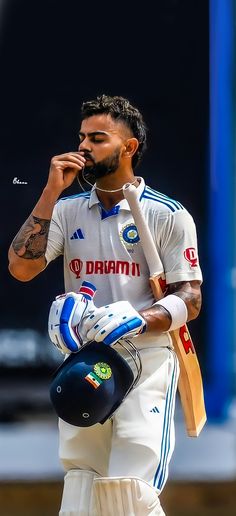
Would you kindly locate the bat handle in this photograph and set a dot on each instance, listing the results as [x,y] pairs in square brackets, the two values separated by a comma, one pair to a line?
[150,252]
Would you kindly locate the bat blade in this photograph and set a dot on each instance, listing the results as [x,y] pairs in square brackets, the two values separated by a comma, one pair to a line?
[190,380]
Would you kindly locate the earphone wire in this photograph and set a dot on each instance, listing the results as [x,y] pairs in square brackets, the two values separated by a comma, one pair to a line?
[85,180]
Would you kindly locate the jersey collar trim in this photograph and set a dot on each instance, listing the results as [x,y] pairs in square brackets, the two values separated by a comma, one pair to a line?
[123,204]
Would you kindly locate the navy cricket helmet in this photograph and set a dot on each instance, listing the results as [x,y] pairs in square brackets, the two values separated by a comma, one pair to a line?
[91,384]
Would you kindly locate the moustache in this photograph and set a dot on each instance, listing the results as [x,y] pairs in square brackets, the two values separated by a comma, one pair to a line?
[88,157]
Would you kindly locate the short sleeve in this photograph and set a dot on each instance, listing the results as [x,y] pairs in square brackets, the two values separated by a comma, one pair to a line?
[55,244]
[179,248]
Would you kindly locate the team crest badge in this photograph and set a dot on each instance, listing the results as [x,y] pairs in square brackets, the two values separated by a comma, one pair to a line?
[129,236]
[103,370]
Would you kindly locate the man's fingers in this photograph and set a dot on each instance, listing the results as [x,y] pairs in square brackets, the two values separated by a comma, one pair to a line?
[107,324]
[70,164]
[73,156]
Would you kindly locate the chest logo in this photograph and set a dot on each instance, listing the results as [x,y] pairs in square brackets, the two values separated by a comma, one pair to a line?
[129,236]
[77,235]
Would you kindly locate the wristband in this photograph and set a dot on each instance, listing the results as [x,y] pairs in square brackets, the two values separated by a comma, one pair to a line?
[177,310]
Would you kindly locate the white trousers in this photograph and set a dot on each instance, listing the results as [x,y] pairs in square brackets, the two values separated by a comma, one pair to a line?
[139,439]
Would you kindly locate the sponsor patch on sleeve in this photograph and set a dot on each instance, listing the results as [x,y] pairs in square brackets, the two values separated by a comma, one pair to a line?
[190,254]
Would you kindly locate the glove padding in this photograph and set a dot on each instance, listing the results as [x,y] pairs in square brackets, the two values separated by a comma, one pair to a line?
[112,322]
[66,313]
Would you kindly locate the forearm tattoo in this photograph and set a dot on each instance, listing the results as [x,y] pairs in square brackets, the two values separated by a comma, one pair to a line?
[190,293]
[31,241]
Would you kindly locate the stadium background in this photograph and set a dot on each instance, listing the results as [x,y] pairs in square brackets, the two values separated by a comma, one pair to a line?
[177,65]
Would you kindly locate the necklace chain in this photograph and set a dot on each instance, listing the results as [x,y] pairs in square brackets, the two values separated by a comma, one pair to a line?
[112,191]
[101,189]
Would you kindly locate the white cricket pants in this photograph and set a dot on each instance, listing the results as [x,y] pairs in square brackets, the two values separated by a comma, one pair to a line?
[139,439]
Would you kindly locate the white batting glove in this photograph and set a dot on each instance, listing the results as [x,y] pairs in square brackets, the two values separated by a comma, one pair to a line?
[112,322]
[66,313]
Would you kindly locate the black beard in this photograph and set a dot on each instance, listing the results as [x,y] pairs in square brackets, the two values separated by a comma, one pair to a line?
[103,168]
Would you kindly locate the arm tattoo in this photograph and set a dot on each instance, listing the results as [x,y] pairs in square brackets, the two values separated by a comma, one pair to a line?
[31,241]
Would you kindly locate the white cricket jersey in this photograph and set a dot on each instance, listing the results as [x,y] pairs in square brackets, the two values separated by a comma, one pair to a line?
[103,247]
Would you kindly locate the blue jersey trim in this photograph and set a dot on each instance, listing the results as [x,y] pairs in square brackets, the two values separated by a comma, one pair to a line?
[164,197]
[160,201]
[148,193]
[109,213]
[83,194]
[161,473]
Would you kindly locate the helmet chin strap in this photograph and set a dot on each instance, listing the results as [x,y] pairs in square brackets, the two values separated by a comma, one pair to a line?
[97,187]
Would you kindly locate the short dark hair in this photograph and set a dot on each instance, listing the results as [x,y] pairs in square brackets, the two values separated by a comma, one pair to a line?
[120,109]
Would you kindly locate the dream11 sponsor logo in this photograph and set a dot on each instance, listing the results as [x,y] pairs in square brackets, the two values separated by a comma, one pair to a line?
[190,254]
[104,267]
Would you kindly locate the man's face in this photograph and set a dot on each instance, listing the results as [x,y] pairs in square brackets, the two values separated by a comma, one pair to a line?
[102,140]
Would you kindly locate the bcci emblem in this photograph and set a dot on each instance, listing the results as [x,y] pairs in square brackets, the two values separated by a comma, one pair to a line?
[103,370]
[129,236]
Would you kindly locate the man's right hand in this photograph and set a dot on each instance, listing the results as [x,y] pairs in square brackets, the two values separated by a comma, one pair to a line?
[66,313]
[63,170]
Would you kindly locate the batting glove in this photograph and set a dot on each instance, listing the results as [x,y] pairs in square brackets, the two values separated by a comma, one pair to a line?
[112,322]
[66,313]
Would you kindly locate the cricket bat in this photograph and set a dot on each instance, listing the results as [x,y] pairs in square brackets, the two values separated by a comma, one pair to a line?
[190,384]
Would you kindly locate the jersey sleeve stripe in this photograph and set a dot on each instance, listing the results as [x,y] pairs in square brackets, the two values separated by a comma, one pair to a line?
[151,197]
[170,203]
[86,195]
[163,196]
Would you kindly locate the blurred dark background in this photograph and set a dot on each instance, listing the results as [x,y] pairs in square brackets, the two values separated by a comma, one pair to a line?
[174,60]
[56,54]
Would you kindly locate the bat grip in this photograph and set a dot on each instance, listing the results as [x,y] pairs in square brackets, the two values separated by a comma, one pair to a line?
[150,252]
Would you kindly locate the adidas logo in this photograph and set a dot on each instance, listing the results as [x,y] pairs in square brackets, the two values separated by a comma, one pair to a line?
[155,410]
[77,235]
